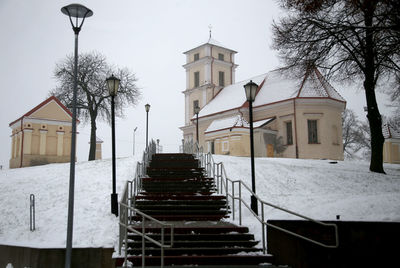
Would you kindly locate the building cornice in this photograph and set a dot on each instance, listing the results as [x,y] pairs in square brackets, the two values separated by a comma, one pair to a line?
[207,60]
[41,121]
[209,45]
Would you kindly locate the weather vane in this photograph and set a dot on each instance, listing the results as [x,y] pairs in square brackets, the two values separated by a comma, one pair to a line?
[210,27]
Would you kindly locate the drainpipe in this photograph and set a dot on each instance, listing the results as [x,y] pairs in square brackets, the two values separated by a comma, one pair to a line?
[295,127]
[22,142]
[231,70]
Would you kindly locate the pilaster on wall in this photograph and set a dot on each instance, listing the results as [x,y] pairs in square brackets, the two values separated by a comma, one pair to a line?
[13,146]
[19,143]
[27,141]
[60,143]
[43,140]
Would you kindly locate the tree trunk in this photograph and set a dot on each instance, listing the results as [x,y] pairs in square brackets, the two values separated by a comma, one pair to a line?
[374,117]
[92,149]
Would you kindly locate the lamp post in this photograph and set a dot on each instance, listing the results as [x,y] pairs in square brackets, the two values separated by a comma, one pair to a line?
[250,90]
[113,84]
[134,132]
[77,12]
[196,111]
[147,108]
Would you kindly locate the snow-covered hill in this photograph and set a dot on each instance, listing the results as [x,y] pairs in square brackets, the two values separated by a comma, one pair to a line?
[315,188]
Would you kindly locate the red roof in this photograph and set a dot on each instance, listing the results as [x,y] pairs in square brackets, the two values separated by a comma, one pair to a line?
[41,105]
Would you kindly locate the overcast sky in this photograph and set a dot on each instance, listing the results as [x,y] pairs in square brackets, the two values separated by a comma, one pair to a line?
[149,38]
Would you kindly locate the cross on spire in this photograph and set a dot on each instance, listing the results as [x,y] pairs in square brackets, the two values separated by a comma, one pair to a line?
[210,27]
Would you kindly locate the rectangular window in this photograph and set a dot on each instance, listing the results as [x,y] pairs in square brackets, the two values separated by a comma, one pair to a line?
[196,79]
[195,104]
[221,78]
[196,56]
[289,136]
[312,131]
[220,56]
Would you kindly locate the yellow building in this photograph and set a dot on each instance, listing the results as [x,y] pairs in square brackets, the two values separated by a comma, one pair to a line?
[293,117]
[42,135]
[391,147]
[99,154]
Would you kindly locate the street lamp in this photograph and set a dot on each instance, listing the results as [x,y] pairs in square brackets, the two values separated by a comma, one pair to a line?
[250,89]
[113,84]
[77,12]
[196,111]
[147,108]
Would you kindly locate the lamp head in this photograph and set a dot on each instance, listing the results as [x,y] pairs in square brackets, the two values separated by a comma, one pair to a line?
[147,107]
[250,89]
[196,110]
[76,11]
[112,85]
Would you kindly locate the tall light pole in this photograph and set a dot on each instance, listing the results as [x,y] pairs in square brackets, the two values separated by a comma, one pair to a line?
[134,132]
[113,84]
[77,12]
[250,90]
[147,108]
[196,111]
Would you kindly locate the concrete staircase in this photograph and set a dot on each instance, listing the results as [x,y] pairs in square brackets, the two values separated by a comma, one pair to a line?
[177,191]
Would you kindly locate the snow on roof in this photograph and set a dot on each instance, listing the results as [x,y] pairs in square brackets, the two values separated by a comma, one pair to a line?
[316,86]
[279,85]
[389,132]
[213,42]
[230,97]
[235,121]
[261,123]
[276,88]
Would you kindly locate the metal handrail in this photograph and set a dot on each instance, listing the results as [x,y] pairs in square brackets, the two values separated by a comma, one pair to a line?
[218,172]
[129,227]
[128,210]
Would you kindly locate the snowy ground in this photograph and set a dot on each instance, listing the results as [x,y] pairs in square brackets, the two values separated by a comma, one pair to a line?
[319,189]
[94,225]
[315,188]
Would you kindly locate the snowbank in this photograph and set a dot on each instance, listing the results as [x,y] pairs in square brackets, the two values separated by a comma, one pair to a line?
[315,188]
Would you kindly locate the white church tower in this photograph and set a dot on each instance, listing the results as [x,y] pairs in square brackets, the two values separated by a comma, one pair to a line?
[209,67]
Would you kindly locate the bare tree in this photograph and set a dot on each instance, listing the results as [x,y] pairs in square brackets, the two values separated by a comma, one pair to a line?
[93,98]
[350,128]
[353,40]
[356,137]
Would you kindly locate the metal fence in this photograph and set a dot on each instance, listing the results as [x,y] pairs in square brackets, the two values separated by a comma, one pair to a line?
[128,210]
[235,190]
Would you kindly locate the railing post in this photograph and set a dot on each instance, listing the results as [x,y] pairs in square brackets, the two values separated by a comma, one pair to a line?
[233,200]
[162,246]
[226,192]
[240,202]
[126,235]
[120,229]
[32,212]
[262,226]
[143,242]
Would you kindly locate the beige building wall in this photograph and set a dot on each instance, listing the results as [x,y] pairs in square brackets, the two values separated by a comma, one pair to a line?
[45,136]
[221,68]
[328,117]
[218,50]
[327,114]
[391,151]
[98,151]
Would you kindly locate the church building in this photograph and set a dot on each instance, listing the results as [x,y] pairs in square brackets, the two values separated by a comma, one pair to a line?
[292,117]
[42,135]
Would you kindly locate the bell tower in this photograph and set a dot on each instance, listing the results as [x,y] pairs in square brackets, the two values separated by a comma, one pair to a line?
[209,67]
